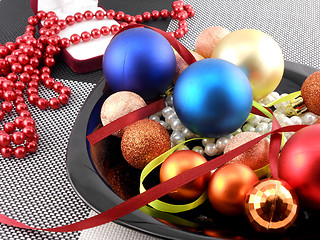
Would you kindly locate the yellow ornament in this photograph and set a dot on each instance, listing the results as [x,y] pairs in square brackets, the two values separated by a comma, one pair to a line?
[257,54]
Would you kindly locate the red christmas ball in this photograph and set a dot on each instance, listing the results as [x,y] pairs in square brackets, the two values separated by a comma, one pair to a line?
[299,165]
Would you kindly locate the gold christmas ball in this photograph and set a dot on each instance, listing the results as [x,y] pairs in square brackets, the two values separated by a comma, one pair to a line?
[256,157]
[228,187]
[208,39]
[257,54]
[271,206]
[143,141]
[310,92]
[120,104]
[179,162]
[182,65]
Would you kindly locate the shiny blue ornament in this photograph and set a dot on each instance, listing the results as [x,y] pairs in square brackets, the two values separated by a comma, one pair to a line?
[212,97]
[139,60]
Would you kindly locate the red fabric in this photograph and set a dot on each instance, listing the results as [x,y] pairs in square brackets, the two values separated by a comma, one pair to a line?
[126,120]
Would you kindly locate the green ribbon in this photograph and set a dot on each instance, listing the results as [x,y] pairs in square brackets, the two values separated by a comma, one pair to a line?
[286,98]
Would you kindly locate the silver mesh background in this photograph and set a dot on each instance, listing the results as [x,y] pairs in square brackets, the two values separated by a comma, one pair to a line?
[293,24]
[36,189]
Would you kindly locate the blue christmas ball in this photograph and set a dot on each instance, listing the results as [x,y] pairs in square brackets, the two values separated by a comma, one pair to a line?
[212,97]
[139,60]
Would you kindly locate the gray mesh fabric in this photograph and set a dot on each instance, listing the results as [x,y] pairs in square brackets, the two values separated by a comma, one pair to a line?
[36,190]
[293,24]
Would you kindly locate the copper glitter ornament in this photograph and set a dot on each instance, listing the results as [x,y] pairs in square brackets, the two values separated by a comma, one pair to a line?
[310,92]
[143,141]
[208,39]
[120,104]
[309,98]
[271,206]
[256,157]
[182,65]
[228,187]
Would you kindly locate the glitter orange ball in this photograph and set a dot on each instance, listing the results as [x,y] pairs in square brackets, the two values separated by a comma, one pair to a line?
[228,187]
[143,141]
[118,105]
[179,162]
[208,39]
[310,92]
[256,157]
[271,206]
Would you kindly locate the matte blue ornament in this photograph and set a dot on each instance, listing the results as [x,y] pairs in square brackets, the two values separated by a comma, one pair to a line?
[139,60]
[212,97]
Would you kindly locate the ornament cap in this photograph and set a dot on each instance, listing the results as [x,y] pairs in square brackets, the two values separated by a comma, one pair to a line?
[296,107]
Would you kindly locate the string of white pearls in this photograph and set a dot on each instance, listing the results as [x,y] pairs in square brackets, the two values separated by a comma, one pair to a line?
[210,146]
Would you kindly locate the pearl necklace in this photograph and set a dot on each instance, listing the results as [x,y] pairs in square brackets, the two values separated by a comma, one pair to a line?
[27,62]
[213,147]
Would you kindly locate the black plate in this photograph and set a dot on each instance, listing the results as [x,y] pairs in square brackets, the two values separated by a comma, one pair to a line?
[94,190]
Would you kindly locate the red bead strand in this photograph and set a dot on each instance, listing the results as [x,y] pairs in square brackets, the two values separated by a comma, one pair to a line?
[20,61]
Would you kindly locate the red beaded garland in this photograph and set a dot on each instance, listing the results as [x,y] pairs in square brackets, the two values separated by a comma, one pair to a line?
[20,61]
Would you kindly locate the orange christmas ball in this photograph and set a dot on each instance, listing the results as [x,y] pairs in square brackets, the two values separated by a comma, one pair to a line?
[208,39]
[256,157]
[228,187]
[179,162]
[143,141]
